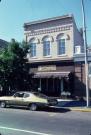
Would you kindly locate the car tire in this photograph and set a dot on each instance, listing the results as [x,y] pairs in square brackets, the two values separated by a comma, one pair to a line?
[2,104]
[33,107]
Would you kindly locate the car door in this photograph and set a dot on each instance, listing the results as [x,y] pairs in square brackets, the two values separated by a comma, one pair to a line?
[26,99]
[17,99]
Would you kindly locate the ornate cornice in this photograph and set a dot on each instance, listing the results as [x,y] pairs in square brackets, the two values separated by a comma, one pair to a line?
[48,30]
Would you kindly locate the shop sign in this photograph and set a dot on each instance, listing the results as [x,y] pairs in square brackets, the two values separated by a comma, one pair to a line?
[47,68]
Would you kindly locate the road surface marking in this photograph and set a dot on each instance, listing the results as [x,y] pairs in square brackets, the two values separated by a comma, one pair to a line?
[21,130]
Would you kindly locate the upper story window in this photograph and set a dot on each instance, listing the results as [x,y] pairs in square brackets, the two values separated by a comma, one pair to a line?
[46,46]
[33,49]
[32,44]
[61,44]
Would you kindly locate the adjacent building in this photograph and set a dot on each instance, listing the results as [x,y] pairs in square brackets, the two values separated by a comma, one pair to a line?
[3,43]
[53,43]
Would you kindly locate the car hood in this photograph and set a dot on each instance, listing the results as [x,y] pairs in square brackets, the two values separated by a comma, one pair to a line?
[5,97]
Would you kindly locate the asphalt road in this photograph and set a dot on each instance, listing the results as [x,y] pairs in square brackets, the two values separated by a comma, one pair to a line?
[50,122]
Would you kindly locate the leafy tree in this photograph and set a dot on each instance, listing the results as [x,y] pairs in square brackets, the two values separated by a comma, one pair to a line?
[14,69]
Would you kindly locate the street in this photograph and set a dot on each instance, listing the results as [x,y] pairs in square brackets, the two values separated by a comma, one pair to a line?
[57,122]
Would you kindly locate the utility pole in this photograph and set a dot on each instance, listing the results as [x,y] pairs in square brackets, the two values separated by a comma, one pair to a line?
[85,51]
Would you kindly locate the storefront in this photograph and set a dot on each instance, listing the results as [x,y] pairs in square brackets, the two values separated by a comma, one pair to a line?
[51,79]
[51,83]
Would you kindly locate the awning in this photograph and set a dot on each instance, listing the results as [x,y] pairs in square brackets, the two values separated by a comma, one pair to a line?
[50,74]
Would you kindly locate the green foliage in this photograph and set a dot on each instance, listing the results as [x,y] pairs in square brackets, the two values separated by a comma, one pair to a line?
[14,70]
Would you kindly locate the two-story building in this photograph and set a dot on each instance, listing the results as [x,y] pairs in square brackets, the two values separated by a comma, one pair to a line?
[52,45]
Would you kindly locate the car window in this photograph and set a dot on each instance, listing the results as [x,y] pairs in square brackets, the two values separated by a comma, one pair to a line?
[19,94]
[26,95]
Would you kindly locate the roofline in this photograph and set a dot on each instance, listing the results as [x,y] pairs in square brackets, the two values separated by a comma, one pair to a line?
[49,19]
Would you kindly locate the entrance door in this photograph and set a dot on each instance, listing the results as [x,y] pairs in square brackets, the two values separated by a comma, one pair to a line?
[57,86]
[50,86]
[61,85]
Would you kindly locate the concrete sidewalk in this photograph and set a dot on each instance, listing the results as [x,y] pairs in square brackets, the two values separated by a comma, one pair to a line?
[81,109]
[73,105]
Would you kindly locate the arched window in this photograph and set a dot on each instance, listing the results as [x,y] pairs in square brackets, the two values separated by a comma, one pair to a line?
[61,44]
[32,46]
[46,45]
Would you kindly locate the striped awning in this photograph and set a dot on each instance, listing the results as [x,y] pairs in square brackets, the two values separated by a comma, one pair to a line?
[50,74]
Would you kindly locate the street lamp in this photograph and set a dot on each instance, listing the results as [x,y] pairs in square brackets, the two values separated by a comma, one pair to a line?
[85,51]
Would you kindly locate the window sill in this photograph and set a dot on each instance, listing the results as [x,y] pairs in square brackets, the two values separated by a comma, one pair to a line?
[48,56]
[33,57]
[62,55]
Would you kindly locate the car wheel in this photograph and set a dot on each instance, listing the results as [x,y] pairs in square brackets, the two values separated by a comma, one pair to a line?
[2,104]
[33,107]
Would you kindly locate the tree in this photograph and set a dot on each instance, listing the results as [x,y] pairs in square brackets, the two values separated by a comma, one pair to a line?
[14,69]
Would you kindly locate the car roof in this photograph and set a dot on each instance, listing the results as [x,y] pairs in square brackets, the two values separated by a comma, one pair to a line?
[31,92]
[23,92]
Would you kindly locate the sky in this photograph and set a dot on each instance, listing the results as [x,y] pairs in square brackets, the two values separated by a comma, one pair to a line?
[14,13]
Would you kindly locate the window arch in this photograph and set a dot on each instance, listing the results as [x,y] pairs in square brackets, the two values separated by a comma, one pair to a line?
[47,38]
[46,45]
[34,40]
[61,44]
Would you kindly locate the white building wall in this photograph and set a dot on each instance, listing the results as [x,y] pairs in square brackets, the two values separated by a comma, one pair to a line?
[53,47]
[65,26]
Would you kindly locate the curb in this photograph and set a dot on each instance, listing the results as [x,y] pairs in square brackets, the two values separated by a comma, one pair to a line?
[80,109]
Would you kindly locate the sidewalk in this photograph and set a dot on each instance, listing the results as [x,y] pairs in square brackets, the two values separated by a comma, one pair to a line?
[73,105]
[81,109]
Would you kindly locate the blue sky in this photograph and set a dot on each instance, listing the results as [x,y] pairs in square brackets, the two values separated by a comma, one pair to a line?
[14,13]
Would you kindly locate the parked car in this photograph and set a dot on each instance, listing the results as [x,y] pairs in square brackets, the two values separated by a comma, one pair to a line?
[32,100]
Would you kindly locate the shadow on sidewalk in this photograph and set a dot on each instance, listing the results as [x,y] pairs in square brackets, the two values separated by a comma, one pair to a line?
[55,110]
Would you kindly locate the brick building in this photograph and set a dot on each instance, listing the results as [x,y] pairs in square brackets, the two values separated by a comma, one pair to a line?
[53,43]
